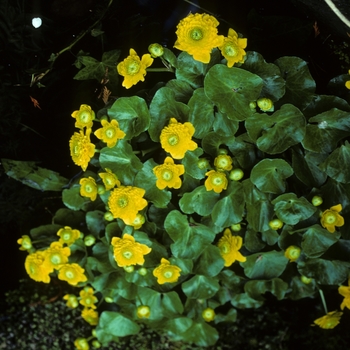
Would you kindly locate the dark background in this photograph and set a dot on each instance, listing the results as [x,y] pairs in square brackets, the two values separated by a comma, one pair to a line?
[274,28]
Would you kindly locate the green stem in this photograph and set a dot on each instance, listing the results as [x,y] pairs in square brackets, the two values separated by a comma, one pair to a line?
[323,300]
[170,70]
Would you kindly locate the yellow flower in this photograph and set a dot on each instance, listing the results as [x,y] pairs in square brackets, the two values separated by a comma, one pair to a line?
[168,174]
[56,255]
[110,133]
[331,218]
[133,69]
[216,181]
[166,273]
[197,35]
[81,344]
[138,222]
[125,202]
[176,138]
[292,253]
[330,320]
[88,188]
[143,311]
[90,316]
[109,179]
[276,224]
[265,104]
[72,273]
[345,292]
[223,162]
[84,117]
[87,298]
[347,83]
[233,48]
[156,50]
[25,242]
[128,252]
[81,149]
[68,235]
[229,248]
[208,314]
[72,300]
[36,267]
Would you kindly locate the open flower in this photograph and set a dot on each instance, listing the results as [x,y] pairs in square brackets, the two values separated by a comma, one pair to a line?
[176,138]
[166,273]
[110,133]
[345,292]
[72,273]
[90,316]
[223,162]
[125,202]
[292,253]
[138,221]
[233,48]
[197,35]
[72,300]
[208,314]
[216,181]
[109,179]
[229,248]
[330,320]
[133,69]
[88,298]
[56,255]
[88,188]
[128,252]
[68,235]
[143,311]
[37,268]
[84,117]
[347,83]
[81,149]
[25,242]
[168,174]
[331,218]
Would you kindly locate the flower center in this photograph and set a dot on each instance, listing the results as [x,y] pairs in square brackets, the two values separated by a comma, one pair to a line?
[88,301]
[69,274]
[143,310]
[110,132]
[222,163]
[168,274]
[122,202]
[56,259]
[217,181]
[127,254]
[330,218]
[230,49]
[85,117]
[133,67]
[196,34]
[173,140]
[167,175]
[66,236]
[225,248]
[88,188]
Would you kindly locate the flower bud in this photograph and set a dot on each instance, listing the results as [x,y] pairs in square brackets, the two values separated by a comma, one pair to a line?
[156,50]
[129,269]
[222,151]
[252,105]
[236,174]
[142,271]
[236,227]
[109,300]
[275,224]
[143,311]
[316,201]
[108,216]
[306,280]
[96,344]
[101,189]
[265,104]
[292,253]
[202,163]
[89,240]
[208,314]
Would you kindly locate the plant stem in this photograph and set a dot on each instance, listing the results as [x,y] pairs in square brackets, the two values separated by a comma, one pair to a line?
[323,300]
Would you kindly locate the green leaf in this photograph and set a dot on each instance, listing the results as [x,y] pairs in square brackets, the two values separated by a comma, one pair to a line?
[189,239]
[169,56]
[176,327]
[44,231]
[172,304]
[163,107]
[212,141]
[201,113]
[244,151]
[334,167]
[325,271]
[265,265]
[200,287]
[72,199]
[95,222]
[132,115]
[147,180]
[210,262]
[274,84]
[290,209]
[229,209]
[325,130]
[244,301]
[301,290]
[68,217]
[100,259]
[110,58]
[276,286]
[269,175]
[122,161]
[190,162]
[182,90]
[93,70]
[33,176]
[224,126]
[112,230]
[231,316]
[277,132]
[201,334]
[232,89]
[316,240]
[253,241]
[152,299]
[199,201]
[300,86]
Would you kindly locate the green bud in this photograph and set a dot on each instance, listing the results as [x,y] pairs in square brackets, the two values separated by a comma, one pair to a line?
[142,271]
[236,174]
[202,163]
[109,300]
[101,189]
[129,269]
[306,280]
[265,104]
[275,224]
[96,344]
[316,201]
[108,216]
[252,105]
[222,151]
[236,227]
[156,50]
[89,240]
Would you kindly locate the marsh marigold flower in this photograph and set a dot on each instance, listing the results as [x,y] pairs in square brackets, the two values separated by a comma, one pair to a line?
[88,188]
[125,202]
[138,221]
[156,50]
[197,35]
[166,273]
[81,344]
[265,104]
[128,252]
[56,255]
[216,181]
[72,300]
[84,117]
[68,235]
[229,248]
[331,218]
[109,179]
[347,83]
[81,149]
[223,162]
[72,273]
[110,132]
[292,253]
[233,48]
[133,69]
[176,138]
[25,242]
[345,292]
[330,320]
[37,268]
[90,316]
[208,314]
[143,311]
[168,174]
[88,298]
